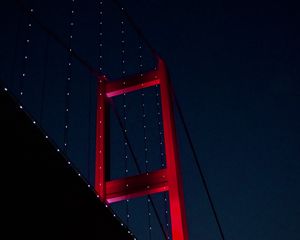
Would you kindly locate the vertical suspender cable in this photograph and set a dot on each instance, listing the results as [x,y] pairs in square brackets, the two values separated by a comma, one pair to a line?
[100,44]
[68,79]
[135,27]
[100,47]
[25,59]
[145,139]
[124,102]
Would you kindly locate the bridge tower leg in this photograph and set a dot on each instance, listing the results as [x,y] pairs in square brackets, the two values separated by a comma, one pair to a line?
[166,179]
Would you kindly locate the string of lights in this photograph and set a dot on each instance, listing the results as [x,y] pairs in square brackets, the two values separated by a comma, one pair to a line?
[100,67]
[124,101]
[101,7]
[68,78]
[162,156]
[145,139]
[25,60]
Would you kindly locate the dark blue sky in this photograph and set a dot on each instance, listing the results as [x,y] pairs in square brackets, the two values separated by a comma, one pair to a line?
[235,69]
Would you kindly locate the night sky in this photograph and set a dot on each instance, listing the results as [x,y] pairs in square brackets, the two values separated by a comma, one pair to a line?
[235,69]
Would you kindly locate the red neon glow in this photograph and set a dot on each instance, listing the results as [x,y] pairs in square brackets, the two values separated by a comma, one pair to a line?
[101,135]
[132,83]
[136,186]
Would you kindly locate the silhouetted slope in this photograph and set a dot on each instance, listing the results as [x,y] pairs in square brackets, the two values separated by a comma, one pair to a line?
[42,196]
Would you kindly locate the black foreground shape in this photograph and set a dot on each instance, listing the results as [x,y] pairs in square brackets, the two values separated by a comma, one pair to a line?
[41,195]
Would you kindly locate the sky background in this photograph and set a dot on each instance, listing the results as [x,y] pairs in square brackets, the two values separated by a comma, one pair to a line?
[235,70]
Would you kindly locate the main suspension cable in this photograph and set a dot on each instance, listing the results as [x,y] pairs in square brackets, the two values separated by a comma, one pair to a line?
[196,159]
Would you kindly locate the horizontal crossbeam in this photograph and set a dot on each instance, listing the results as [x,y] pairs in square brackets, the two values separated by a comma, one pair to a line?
[136,186]
[132,83]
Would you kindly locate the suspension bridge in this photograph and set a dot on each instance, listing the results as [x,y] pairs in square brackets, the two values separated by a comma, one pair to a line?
[102,96]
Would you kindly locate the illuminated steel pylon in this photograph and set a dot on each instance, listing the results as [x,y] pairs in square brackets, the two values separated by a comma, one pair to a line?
[166,179]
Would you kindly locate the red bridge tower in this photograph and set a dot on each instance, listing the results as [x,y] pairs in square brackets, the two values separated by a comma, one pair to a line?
[166,179]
